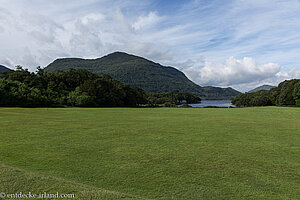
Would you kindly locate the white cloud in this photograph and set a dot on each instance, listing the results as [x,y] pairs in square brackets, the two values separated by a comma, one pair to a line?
[274,80]
[94,35]
[92,17]
[146,21]
[295,73]
[233,72]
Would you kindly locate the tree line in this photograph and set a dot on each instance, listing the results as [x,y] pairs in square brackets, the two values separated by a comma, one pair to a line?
[286,94]
[81,88]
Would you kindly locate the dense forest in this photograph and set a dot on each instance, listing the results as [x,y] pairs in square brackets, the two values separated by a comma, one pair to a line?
[77,88]
[286,94]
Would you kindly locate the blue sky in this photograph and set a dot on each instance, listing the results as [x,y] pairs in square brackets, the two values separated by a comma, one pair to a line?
[237,43]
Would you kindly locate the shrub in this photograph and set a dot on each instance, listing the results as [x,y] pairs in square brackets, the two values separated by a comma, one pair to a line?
[76,98]
[185,106]
[170,104]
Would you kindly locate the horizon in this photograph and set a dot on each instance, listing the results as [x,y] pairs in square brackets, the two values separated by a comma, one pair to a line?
[238,44]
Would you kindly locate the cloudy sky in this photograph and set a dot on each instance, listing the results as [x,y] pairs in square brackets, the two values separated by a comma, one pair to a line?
[237,43]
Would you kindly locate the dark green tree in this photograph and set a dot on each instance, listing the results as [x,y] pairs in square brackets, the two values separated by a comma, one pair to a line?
[296,93]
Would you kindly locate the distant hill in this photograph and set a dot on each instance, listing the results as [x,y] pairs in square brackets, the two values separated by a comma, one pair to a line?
[3,68]
[263,87]
[143,73]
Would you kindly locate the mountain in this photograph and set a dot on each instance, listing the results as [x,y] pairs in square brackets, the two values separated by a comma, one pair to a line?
[263,87]
[3,68]
[143,73]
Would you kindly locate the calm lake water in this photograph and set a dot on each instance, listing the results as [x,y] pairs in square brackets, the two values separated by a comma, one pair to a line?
[219,103]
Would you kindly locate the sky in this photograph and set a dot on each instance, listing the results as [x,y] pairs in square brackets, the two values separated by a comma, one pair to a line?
[226,43]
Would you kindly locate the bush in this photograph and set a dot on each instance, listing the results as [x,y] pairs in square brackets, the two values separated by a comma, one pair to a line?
[185,106]
[15,93]
[76,98]
[170,104]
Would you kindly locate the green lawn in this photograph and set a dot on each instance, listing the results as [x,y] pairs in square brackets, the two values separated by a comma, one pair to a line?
[152,153]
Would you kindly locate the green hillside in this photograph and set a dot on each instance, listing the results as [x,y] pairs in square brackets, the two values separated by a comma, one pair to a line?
[263,87]
[143,73]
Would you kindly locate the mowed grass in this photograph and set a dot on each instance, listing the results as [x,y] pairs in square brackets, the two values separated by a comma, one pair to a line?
[152,153]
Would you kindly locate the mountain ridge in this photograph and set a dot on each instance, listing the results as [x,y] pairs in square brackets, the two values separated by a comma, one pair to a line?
[143,73]
[3,68]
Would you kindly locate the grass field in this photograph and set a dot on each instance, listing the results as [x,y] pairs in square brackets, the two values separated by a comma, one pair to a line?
[152,153]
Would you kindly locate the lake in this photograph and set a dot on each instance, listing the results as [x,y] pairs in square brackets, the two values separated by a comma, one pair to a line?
[218,103]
